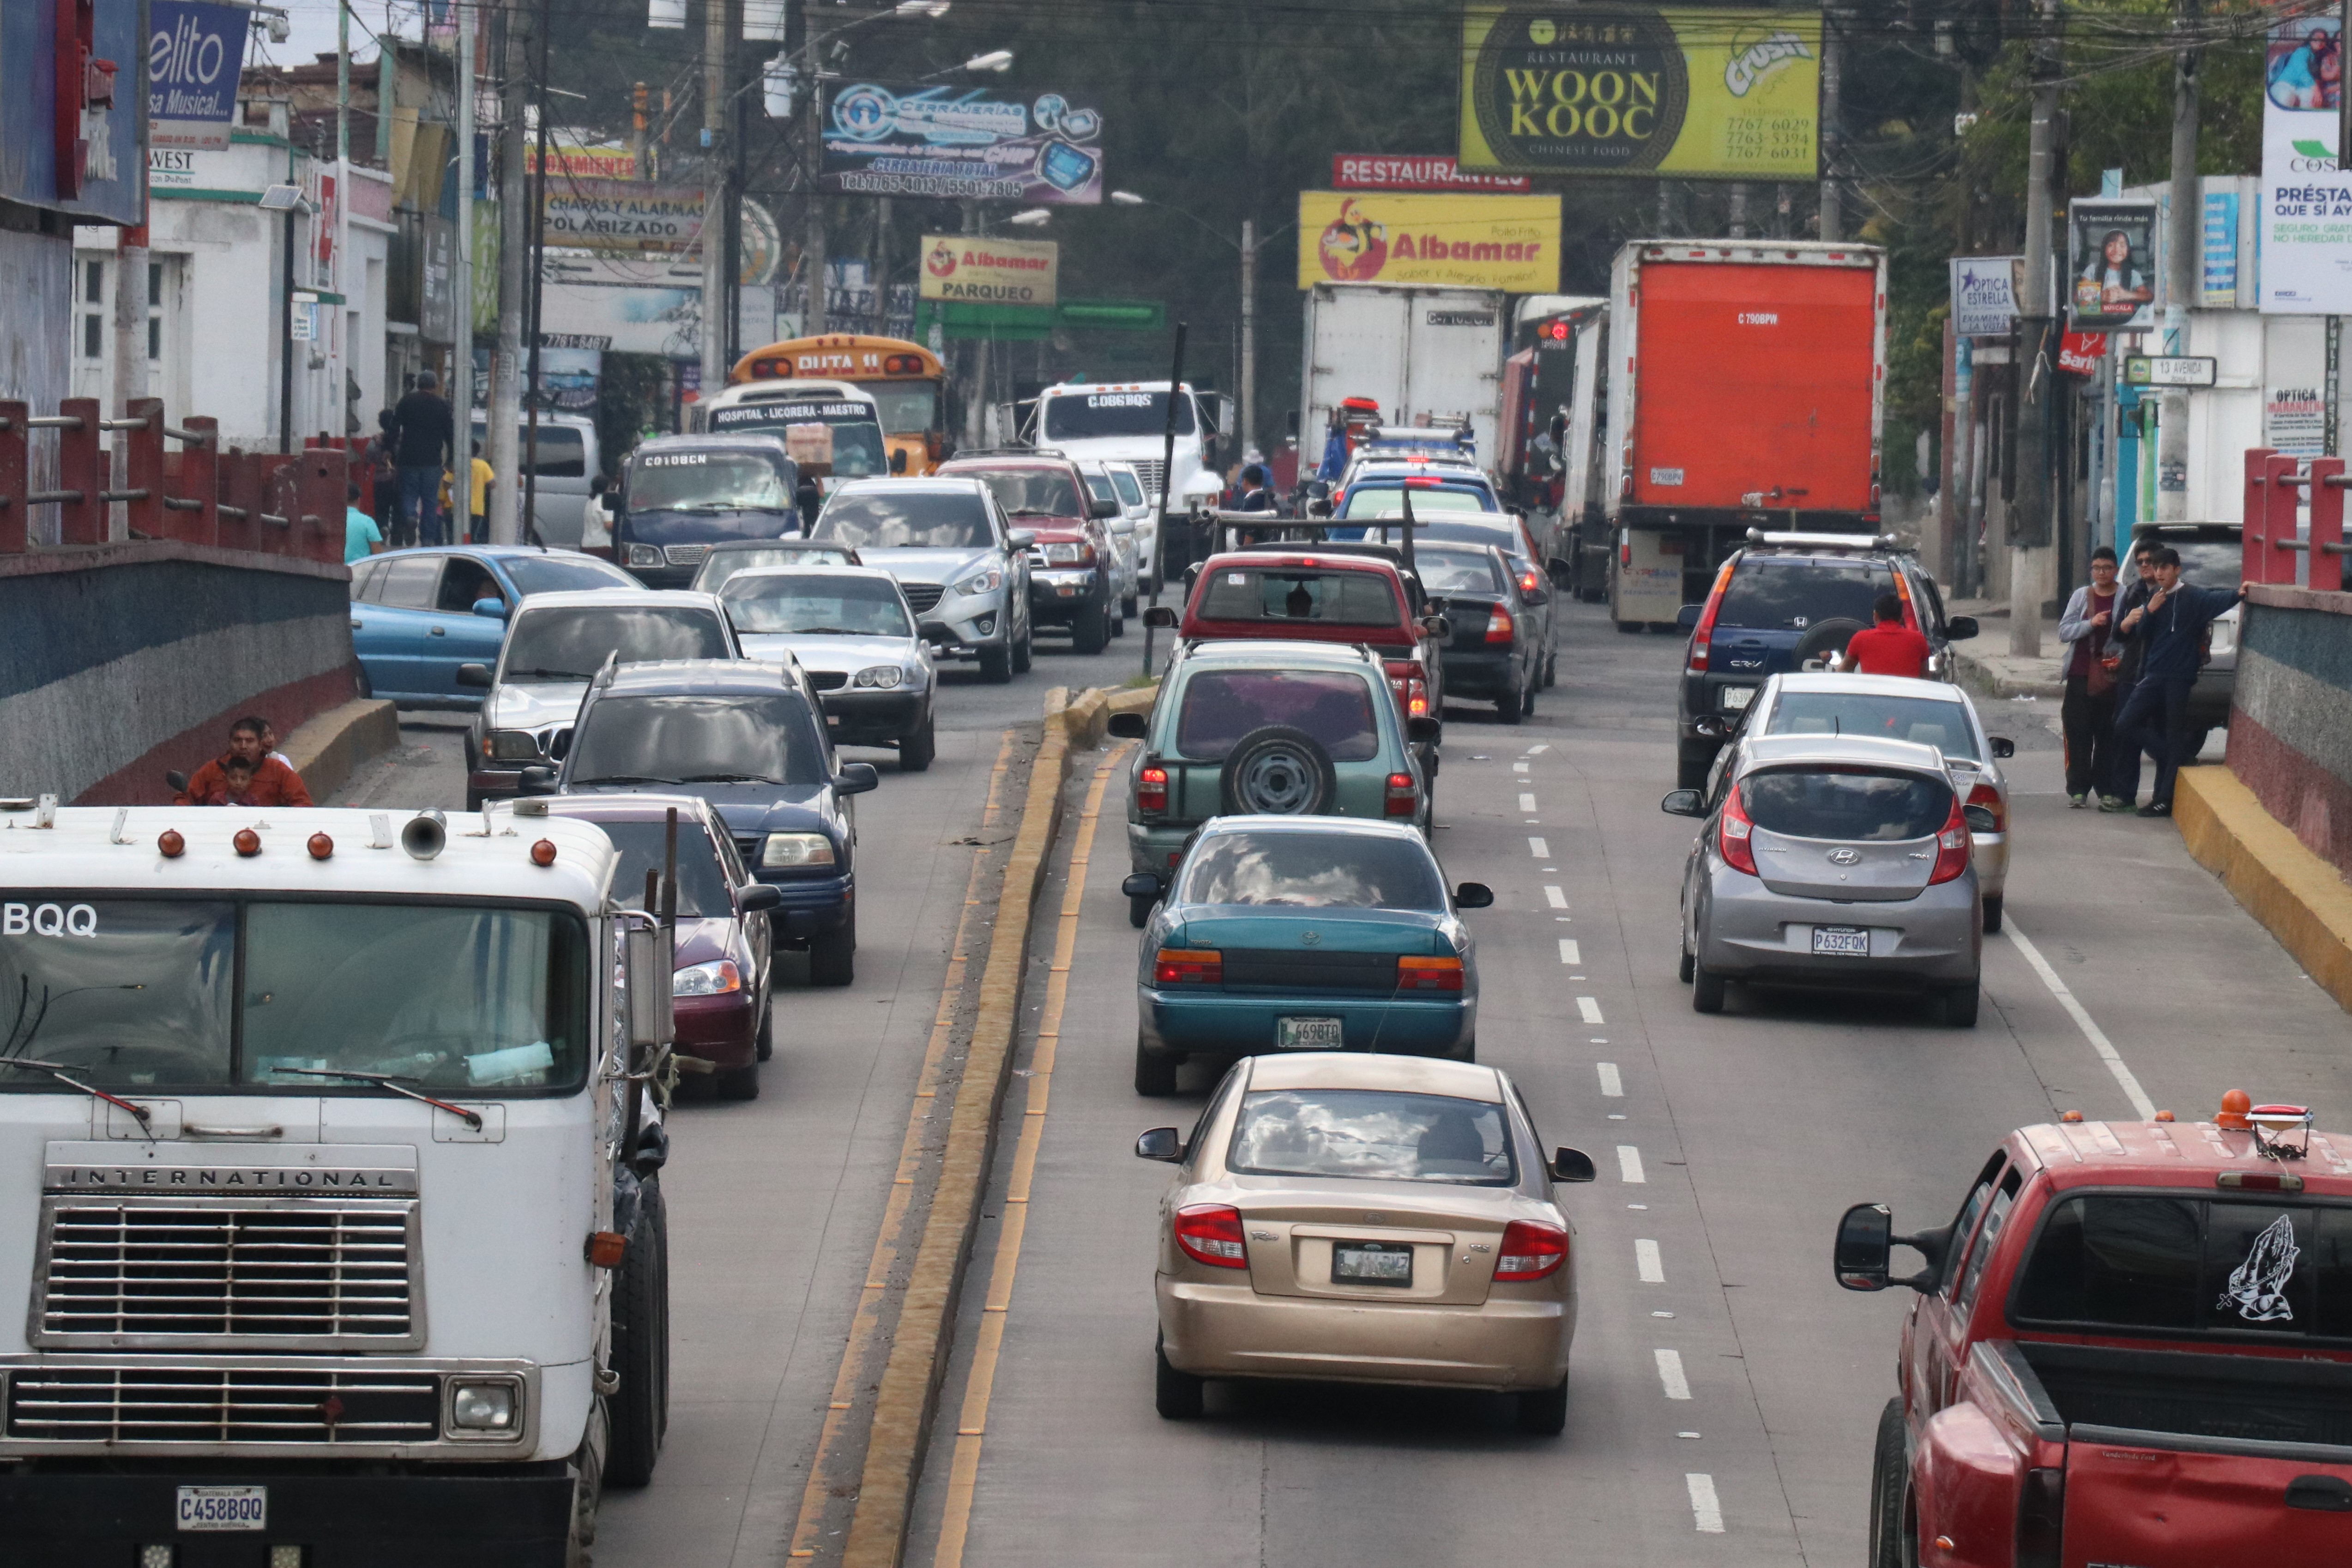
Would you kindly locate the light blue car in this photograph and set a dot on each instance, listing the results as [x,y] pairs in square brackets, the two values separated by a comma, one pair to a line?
[417,614]
[1314,934]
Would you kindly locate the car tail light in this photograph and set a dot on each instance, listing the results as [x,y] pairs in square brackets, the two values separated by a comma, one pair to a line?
[1410,684]
[1530,580]
[1986,795]
[2041,1517]
[1706,629]
[1952,846]
[1212,1233]
[1404,795]
[1733,839]
[1429,974]
[1499,625]
[1530,1250]
[1151,790]
[1188,966]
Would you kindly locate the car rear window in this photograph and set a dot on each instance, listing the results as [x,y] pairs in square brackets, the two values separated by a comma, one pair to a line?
[1456,571]
[1857,805]
[1771,594]
[1296,594]
[702,892]
[572,643]
[1313,871]
[676,739]
[1221,706]
[1927,720]
[905,519]
[721,564]
[1031,493]
[1378,1135]
[562,573]
[817,604]
[1372,499]
[2189,1264]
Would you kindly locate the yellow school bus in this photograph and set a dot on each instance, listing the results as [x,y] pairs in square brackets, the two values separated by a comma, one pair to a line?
[906,381]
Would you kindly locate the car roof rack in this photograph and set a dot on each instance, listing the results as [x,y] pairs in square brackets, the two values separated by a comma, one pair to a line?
[1824,541]
[1005,452]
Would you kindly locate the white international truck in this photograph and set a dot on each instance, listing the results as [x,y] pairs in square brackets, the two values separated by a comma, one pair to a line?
[1126,422]
[1430,356]
[327,1184]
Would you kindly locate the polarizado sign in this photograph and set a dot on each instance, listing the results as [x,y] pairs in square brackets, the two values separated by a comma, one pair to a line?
[1636,90]
[1468,242]
[196,54]
[624,215]
[962,144]
[990,271]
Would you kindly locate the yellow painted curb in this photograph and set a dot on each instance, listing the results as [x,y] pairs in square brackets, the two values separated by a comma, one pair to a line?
[2297,897]
[909,1395]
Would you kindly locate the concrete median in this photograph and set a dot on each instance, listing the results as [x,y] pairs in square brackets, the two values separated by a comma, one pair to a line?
[2299,898]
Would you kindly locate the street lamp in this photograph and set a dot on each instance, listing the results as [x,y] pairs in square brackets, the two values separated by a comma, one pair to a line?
[994,60]
[288,199]
[1247,245]
[1129,199]
[1035,217]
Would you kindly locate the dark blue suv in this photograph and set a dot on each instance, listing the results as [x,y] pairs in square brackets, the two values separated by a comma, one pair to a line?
[1780,601]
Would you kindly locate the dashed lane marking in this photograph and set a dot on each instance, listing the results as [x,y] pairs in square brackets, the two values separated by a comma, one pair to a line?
[1538,848]
[1611,1086]
[1556,898]
[1569,951]
[2091,1031]
[1539,747]
[1588,1008]
[1518,767]
[1670,1374]
[1706,1511]
[1629,1164]
[1648,1263]
[1526,802]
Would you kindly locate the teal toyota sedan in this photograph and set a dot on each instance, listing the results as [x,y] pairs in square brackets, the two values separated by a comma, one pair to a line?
[1302,933]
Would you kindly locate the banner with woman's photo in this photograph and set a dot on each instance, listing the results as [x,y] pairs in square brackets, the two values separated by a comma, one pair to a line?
[2110,264]
[2307,224]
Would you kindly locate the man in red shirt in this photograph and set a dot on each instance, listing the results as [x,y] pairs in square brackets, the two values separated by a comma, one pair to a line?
[274,783]
[1890,647]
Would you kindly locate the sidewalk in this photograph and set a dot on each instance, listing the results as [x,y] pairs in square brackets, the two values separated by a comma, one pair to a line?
[1985,666]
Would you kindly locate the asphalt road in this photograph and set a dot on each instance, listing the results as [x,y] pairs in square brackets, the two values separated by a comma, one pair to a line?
[1749,1132]
[1724,1391]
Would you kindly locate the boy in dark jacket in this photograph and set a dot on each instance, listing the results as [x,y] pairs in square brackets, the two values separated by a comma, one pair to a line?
[2169,633]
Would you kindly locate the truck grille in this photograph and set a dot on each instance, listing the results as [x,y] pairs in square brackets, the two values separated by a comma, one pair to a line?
[686,554]
[1149,469]
[202,1404]
[922,597]
[295,1273]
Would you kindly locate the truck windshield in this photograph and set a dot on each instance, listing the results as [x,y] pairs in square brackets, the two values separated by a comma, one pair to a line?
[707,481]
[1075,416]
[140,993]
[1929,721]
[2188,1265]
[573,644]
[1777,594]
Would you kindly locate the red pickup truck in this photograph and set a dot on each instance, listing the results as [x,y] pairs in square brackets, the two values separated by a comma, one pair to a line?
[2131,1349]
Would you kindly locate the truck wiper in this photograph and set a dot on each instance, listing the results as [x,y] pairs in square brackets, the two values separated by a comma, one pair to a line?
[626,778]
[473,1119]
[139,1113]
[547,674]
[729,778]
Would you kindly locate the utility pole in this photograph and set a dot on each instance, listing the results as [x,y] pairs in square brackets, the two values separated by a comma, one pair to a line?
[714,196]
[2182,268]
[130,343]
[461,406]
[506,362]
[812,257]
[2030,529]
[1832,78]
[1249,340]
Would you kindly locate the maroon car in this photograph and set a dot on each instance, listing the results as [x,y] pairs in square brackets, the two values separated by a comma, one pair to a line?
[725,1018]
[1073,578]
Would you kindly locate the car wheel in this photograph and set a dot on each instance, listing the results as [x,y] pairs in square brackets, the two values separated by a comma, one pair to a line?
[997,665]
[916,750]
[2193,743]
[1960,1005]
[1687,966]
[1092,634]
[1176,1393]
[1128,607]
[1024,652]
[1706,989]
[832,955]
[1117,619]
[1544,1411]
[1155,1073]
[737,1083]
[1138,910]
[1889,1468]
[1527,699]
[767,1045]
[639,1408]
[1512,708]
[1276,769]
[1691,764]
[1551,670]
[1992,914]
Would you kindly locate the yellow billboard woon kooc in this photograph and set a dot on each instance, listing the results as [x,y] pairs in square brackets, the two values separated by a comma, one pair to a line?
[1463,242]
[1630,89]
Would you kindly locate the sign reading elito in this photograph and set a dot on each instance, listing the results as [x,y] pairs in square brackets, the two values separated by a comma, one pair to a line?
[1637,89]
[990,271]
[1463,242]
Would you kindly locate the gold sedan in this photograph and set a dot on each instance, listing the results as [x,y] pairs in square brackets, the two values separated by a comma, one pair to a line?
[1361,1218]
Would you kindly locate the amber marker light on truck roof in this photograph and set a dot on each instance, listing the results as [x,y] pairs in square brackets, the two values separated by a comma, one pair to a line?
[170,844]
[321,847]
[543,852]
[247,842]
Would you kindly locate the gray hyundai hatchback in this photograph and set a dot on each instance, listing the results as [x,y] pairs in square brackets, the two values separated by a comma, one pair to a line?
[1834,861]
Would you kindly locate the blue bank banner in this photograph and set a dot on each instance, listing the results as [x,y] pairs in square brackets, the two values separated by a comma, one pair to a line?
[195,53]
[963,143]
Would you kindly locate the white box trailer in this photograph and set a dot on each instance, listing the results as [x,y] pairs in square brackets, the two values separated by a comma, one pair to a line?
[1428,355]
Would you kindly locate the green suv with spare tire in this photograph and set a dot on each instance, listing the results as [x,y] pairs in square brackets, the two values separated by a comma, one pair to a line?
[1247,727]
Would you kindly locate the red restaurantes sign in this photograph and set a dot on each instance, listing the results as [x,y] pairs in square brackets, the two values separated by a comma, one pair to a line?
[1414,172]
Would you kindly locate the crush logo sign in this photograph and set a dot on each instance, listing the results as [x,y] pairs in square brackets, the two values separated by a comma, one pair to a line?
[1604,91]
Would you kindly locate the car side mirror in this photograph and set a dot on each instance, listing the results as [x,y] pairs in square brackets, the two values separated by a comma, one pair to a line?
[1020,539]
[2003,746]
[649,953]
[494,608]
[1318,508]
[1709,727]
[1865,1242]
[758,896]
[1103,509]
[1141,885]
[1558,428]
[1161,617]
[856,778]
[1959,628]
[1687,617]
[1572,1165]
[1128,727]
[537,779]
[1423,728]
[1683,802]
[899,460]
[1473,896]
[1980,820]
[177,780]
[1161,1143]
[474,675]
[1437,626]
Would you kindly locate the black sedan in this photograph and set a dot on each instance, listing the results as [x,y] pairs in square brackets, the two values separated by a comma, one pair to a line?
[1496,648]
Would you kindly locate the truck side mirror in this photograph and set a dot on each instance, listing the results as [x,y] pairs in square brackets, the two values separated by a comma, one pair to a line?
[1141,885]
[1128,727]
[474,675]
[1474,896]
[1687,617]
[1865,1240]
[1161,1143]
[758,896]
[1558,428]
[856,778]
[649,957]
[1572,1165]
[1959,628]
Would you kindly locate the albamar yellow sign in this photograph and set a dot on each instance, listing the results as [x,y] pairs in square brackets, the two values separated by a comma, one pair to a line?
[1630,89]
[1461,242]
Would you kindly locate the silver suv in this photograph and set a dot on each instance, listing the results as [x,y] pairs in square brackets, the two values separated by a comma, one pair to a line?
[956,557]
